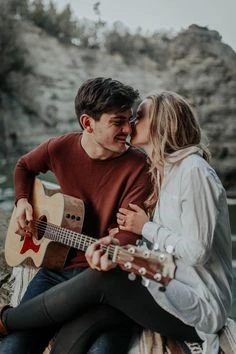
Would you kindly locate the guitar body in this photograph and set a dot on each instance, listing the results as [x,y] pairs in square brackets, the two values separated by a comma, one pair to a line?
[50,206]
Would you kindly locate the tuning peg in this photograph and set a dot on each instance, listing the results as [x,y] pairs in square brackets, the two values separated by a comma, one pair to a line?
[156,246]
[132,276]
[146,253]
[139,242]
[142,271]
[170,249]
[128,265]
[162,257]
[157,276]
[131,250]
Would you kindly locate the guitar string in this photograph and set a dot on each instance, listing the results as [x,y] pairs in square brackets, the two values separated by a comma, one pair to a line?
[71,237]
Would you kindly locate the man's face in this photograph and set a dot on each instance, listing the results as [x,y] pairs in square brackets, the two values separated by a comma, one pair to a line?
[111,132]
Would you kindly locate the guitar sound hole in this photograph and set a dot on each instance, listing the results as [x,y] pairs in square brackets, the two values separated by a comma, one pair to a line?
[42,224]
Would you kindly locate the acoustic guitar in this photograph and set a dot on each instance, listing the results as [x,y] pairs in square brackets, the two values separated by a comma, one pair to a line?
[57,224]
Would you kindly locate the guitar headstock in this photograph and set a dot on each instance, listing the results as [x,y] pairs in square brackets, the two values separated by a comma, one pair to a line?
[151,264]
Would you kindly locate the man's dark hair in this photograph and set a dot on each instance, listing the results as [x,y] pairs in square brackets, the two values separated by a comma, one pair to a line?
[102,95]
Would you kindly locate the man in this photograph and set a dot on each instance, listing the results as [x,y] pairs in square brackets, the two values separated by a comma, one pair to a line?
[97,166]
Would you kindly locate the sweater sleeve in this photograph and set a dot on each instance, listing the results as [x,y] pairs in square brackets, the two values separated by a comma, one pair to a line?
[29,166]
[136,190]
[137,195]
[201,193]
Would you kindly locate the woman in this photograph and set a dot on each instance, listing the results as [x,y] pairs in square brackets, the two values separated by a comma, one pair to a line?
[188,217]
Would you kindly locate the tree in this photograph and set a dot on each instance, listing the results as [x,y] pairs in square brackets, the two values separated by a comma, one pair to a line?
[51,24]
[19,7]
[12,52]
[37,13]
[13,64]
[66,24]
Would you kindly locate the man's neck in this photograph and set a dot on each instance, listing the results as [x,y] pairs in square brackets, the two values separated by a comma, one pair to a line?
[94,150]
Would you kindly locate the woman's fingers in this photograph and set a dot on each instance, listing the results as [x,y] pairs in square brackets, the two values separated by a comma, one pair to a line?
[124,212]
[132,220]
[135,207]
[123,216]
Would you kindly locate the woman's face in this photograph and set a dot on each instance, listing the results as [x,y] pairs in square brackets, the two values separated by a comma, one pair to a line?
[140,135]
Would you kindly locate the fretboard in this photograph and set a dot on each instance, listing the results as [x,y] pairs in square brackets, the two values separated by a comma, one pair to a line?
[71,238]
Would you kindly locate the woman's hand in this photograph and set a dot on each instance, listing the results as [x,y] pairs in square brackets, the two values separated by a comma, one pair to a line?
[132,220]
[97,257]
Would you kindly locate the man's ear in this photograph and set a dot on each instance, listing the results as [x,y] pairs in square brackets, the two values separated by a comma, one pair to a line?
[86,122]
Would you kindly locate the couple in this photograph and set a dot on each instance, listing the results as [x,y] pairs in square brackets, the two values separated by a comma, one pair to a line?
[178,205]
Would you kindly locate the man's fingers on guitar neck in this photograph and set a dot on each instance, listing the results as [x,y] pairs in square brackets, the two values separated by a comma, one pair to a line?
[91,249]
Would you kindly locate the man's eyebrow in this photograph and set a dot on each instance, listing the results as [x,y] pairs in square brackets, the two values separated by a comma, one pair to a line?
[121,117]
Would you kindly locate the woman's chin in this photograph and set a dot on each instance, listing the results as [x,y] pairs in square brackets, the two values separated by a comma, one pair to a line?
[133,141]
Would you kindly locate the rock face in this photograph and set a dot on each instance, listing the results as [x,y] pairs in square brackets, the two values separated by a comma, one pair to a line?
[194,63]
[5,271]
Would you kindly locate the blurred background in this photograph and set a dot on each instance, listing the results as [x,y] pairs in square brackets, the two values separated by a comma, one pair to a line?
[48,48]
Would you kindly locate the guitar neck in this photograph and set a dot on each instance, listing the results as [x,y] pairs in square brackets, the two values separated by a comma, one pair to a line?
[74,239]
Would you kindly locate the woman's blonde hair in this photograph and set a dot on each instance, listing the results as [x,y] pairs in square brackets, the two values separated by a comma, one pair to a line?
[173,126]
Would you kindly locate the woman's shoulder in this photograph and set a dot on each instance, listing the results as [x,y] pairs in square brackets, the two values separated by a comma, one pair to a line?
[195,161]
[196,167]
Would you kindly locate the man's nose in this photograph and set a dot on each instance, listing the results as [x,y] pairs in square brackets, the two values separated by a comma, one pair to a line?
[127,128]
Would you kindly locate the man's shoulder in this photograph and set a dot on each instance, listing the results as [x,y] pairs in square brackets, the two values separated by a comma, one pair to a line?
[67,136]
[64,139]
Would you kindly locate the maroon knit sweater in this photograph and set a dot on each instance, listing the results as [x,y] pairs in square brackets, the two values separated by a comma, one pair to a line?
[104,185]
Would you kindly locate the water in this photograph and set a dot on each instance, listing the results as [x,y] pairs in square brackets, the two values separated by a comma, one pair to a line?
[6,203]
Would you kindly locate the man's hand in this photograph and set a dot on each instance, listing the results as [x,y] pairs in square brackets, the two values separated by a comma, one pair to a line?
[132,220]
[24,216]
[97,258]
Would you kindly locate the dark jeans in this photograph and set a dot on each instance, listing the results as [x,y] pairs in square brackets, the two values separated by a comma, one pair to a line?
[74,298]
[35,341]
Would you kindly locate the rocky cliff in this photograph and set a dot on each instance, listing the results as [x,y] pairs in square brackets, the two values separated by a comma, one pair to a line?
[195,63]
